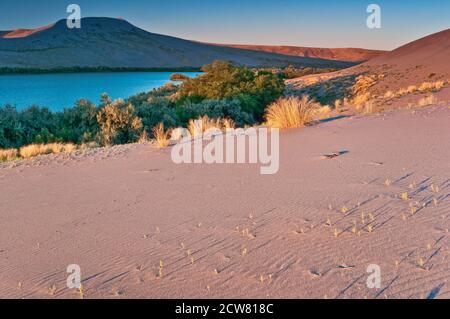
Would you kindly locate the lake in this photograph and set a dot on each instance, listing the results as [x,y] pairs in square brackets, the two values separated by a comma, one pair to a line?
[59,91]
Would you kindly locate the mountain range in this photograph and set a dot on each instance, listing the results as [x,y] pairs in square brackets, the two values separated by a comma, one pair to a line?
[116,43]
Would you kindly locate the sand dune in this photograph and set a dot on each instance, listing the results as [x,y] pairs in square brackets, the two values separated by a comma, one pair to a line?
[432,52]
[226,230]
[424,61]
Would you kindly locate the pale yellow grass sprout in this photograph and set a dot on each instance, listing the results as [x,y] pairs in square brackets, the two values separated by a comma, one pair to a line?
[161,135]
[291,112]
[8,155]
[404,196]
[361,99]
[33,150]
[228,124]
[43,149]
[428,100]
[143,138]
[364,83]
[411,89]
[431,86]
[204,123]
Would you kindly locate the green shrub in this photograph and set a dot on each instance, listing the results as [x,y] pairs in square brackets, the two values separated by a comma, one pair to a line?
[11,129]
[224,81]
[40,125]
[159,110]
[79,124]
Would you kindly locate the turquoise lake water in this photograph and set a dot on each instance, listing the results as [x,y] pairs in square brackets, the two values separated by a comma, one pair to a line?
[59,91]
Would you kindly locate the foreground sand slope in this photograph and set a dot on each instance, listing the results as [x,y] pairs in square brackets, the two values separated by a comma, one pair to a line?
[226,231]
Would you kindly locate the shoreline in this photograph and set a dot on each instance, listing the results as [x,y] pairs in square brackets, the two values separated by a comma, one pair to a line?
[33,71]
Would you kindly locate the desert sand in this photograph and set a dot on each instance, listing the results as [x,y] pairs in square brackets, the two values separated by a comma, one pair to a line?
[227,231]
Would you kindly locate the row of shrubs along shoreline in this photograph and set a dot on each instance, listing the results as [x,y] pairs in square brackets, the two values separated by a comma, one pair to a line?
[225,91]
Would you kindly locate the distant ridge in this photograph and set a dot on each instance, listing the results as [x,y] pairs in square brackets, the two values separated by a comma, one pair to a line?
[115,43]
[338,54]
[22,33]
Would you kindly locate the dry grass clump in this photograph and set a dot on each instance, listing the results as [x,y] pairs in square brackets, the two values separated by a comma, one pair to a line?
[411,89]
[360,90]
[204,123]
[161,135]
[8,155]
[424,87]
[43,149]
[364,83]
[143,138]
[291,112]
[29,151]
[361,99]
[322,112]
[431,86]
[428,100]
[228,124]
[33,150]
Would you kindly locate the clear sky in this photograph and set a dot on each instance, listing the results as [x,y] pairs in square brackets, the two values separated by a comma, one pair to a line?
[326,23]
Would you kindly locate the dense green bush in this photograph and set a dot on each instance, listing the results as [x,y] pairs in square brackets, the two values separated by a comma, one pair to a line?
[34,124]
[11,129]
[158,110]
[224,81]
[79,124]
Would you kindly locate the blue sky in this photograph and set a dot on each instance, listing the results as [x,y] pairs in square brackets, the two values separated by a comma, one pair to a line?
[326,23]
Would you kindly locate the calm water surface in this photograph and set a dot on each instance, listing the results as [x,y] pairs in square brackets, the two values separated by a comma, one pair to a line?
[59,91]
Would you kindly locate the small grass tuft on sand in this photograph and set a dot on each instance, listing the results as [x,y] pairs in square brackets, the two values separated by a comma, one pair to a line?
[8,155]
[161,135]
[33,150]
[204,123]
[291,112]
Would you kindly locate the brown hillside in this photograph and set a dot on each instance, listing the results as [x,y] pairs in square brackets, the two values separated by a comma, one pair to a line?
[340,54]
